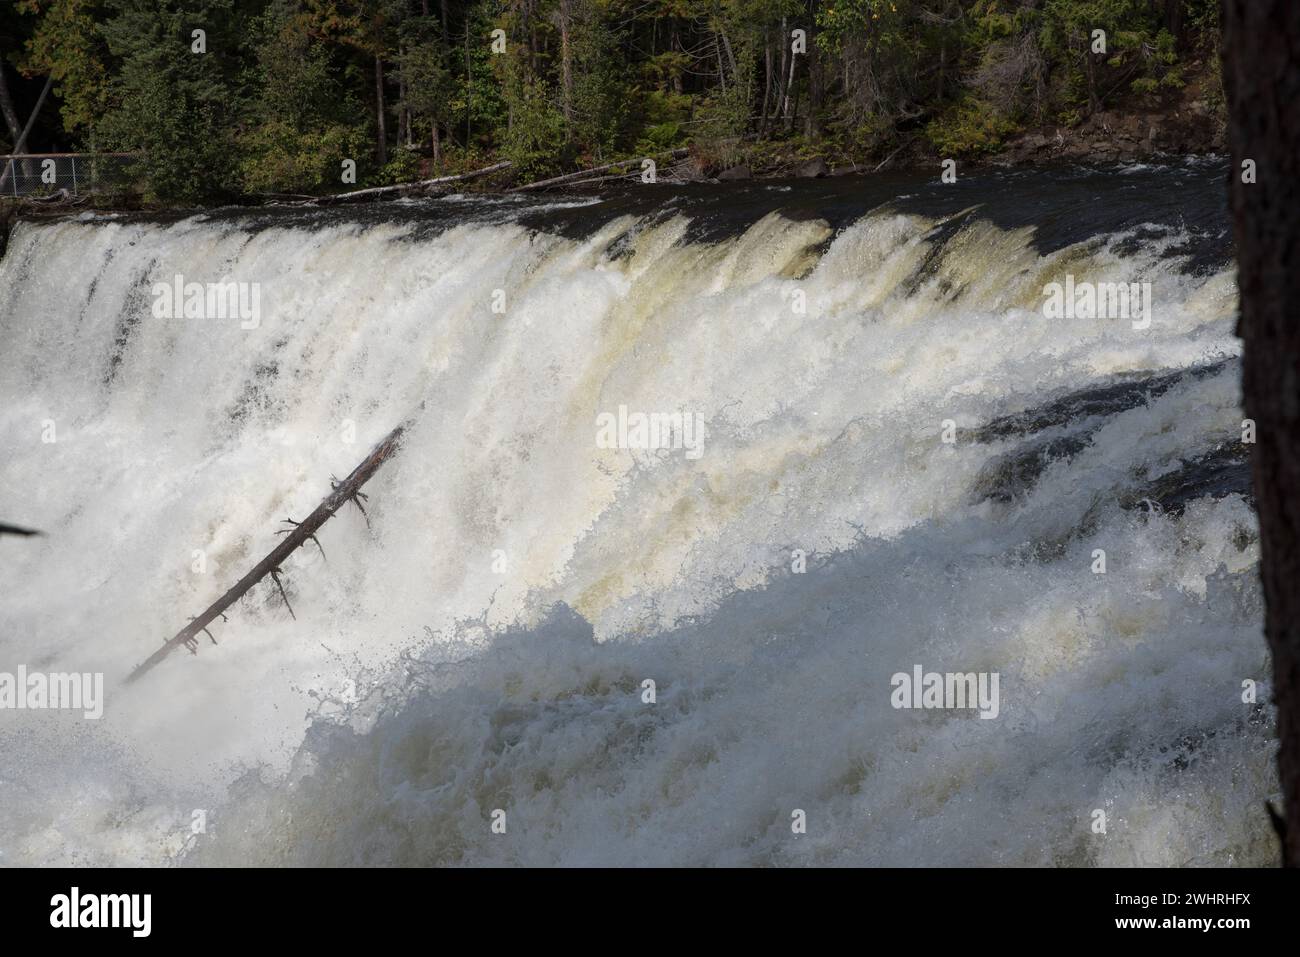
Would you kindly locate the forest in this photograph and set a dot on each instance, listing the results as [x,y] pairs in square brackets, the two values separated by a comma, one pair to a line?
[229,98]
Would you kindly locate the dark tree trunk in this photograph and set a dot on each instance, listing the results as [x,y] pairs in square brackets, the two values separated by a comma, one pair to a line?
[1090,71]
[1174,17]
[11,121]
[404,113]
[565,13]
[674,45]
[469,86]
[20,144]
[816,81]
[781,91]
[7,108]
[382,132]
[767,85]
[1262,78]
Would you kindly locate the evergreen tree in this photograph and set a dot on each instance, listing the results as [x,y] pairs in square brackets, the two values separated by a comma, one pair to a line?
[173,95]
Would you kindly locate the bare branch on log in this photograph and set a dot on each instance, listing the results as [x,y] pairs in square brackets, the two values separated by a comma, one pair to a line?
[345,491]
[286,531]
[275,574]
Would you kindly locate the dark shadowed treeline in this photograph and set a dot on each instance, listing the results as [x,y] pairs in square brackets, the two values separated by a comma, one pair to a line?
[285,90]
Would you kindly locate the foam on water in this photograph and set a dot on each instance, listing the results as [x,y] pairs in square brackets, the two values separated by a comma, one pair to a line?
[420,687]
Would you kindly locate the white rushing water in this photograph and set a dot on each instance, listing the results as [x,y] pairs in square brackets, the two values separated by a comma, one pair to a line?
[481,644]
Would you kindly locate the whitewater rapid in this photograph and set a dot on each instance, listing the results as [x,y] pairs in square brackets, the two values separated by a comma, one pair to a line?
[481,641]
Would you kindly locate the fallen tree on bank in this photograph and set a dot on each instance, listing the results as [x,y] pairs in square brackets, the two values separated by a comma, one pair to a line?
[578,178]
[349,490]
[422,187]
[406,189]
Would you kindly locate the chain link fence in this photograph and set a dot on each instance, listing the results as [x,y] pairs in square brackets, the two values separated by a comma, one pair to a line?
[40,174]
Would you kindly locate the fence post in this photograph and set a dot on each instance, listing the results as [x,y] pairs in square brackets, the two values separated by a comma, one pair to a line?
[74,176]
[13,177]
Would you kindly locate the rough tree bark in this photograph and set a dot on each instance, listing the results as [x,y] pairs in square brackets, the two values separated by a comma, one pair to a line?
[1262,78]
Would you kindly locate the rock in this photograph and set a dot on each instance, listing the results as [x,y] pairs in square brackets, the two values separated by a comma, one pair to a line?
[736,172]
[813,169]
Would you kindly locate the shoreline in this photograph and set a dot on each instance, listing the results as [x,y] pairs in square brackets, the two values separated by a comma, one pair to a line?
[1174,126]
[1033,151]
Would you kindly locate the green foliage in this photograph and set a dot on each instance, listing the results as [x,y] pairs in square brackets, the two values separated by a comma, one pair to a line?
[66,44]
[534,138]
[603,100]
[663,121]
[1138,49]
[303,127]
[478,101]
[970,127]
[276,158]
[403,167]
[287,89]
[720,123]
[422,63]
[169,102]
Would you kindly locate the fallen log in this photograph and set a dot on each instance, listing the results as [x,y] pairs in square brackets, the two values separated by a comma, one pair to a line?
[570,177]
[286,197]
[882,163]
[400,189]
[56,198]
[302,532]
